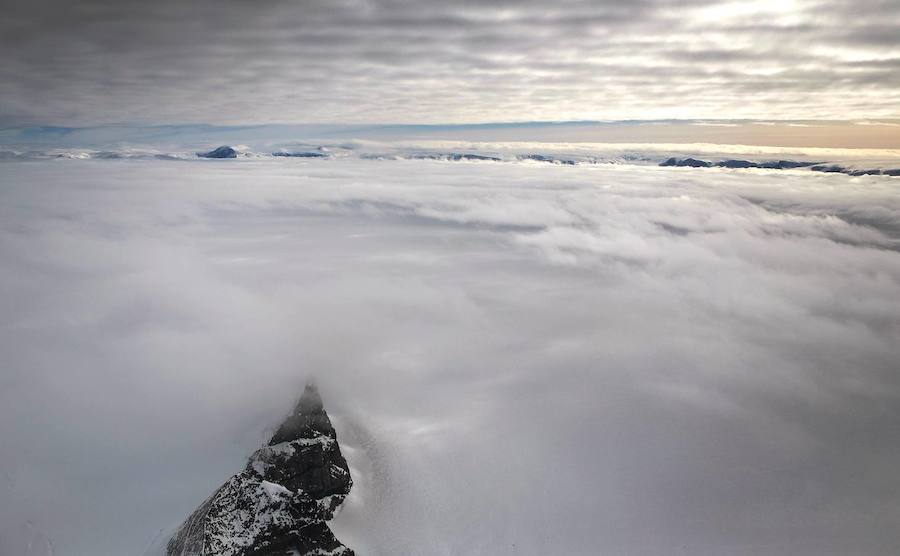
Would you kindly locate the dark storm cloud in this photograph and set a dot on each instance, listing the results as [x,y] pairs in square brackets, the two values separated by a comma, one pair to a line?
[388,61]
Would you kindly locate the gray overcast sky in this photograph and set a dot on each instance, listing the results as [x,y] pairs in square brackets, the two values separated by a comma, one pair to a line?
[370,61]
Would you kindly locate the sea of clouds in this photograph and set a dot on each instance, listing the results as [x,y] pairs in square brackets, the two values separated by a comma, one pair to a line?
[519,358]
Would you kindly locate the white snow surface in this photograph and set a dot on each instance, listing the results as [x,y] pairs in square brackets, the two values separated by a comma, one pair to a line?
[234,528]
[518,358]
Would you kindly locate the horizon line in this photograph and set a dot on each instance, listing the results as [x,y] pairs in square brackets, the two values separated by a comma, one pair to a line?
[512,123]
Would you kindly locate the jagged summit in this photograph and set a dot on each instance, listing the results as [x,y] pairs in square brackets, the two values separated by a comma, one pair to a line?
[279,503]
[307,420]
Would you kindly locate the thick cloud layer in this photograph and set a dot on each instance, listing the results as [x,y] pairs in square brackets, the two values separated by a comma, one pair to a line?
[436,61]
[520,358]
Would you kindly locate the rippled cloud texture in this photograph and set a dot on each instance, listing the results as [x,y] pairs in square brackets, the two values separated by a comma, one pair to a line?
[432,61]
[520,358]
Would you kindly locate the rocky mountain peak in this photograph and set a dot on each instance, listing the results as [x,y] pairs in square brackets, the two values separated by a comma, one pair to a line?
[308,419]
[279,503]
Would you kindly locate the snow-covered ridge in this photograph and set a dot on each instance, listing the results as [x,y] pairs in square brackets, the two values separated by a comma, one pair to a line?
[281,500]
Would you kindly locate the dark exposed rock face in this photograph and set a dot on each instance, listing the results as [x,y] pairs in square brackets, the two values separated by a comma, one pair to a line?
[222,152]
[279,503]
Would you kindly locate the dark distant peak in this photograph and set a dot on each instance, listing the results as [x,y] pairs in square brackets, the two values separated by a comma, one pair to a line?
[689,162]
[785,164]
[830,169]
[694,163]
[221,152]
[308,420]
[781,165]
[737,164]
[837,169]
[866,172]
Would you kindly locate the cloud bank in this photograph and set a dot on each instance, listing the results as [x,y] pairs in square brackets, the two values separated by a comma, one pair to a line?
[519,358]
[394,61]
